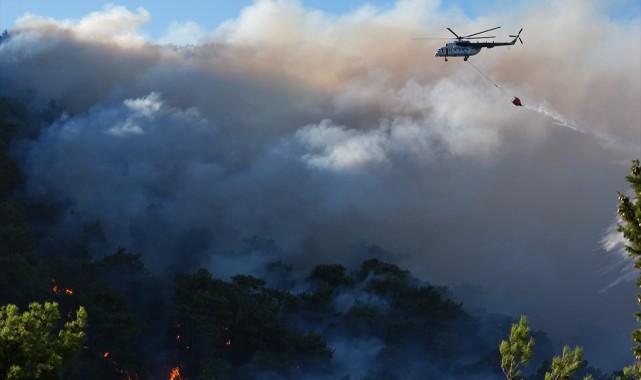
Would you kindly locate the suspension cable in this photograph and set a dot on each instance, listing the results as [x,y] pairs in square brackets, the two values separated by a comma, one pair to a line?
[486,77]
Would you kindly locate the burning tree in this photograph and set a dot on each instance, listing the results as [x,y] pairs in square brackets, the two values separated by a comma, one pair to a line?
[28,350]
[239,324]
[630,214]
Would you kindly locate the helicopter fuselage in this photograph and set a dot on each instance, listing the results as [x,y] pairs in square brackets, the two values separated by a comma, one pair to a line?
[458,49]
[465,48]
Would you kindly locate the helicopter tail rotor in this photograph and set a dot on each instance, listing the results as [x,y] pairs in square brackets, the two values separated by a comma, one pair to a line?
[518,36]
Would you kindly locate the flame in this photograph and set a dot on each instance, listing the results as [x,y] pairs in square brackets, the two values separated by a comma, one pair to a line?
[59,290]
[128,376]
[121,371]
[178,337]
[175,374]
[228,342]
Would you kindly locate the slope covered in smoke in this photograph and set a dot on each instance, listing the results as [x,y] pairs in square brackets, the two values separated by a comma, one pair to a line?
[325,131]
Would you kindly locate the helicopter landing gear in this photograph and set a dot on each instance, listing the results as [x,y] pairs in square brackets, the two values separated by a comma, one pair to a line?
[445,59]
[465,58]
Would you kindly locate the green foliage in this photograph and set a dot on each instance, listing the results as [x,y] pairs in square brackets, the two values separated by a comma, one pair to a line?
[195,301]
[333,275]
[630,214]
[632,372]
[12,212]
[248,281]
[364,316]
[517,350]
[10,175]
[378,267]
[113,326]
[241,320]
[319,299]
[23,279]
[566,365]
[16,239]
[123,261]
[29,347]
[16,236]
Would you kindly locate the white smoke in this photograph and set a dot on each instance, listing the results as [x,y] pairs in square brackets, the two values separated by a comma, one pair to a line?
[112,24]
[321,131]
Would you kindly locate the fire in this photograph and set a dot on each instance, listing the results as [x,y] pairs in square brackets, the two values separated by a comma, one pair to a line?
[175,374]
[178,337]
[59,290]
[228,342]
[121,371]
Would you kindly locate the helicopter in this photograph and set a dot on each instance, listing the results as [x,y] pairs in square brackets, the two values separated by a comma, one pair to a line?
[464,48]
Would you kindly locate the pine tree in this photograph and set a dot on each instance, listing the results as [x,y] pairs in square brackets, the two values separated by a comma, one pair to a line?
[630,214]
[517,350]
[28,347]
[566,365]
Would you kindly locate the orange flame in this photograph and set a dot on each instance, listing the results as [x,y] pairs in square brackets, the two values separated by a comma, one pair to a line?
[59,290]
[228,342]
[105,354]
[175,374]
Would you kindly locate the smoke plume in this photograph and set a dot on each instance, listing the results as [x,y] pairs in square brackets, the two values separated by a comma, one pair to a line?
[324,131]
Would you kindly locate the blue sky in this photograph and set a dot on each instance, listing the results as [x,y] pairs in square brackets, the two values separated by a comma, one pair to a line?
[210,14]
[206,13]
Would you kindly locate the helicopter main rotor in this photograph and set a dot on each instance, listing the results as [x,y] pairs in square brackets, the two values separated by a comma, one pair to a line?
[469,36]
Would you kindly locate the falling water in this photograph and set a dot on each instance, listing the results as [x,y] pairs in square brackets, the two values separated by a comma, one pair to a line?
[557,118]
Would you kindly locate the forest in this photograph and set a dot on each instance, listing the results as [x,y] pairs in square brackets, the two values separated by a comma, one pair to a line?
[111,317]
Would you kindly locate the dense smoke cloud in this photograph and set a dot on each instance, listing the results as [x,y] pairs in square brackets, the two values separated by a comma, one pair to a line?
[323,132]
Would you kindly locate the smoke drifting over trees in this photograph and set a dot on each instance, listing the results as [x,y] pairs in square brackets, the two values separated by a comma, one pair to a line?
[327,133]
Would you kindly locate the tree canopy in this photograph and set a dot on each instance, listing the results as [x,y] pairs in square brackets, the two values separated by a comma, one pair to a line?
[629,210]
[30,345]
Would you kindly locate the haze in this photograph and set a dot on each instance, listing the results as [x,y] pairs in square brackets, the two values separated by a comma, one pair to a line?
[327,132]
